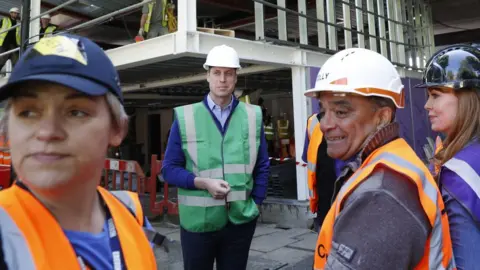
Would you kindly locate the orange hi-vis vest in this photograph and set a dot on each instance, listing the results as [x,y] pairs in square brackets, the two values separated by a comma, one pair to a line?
[399,157]
[438,147]
[315,137]
[32,238]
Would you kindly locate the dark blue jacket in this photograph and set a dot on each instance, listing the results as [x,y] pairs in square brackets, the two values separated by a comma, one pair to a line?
[173,168]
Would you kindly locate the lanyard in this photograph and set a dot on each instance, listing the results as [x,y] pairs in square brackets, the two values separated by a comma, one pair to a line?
[117,256]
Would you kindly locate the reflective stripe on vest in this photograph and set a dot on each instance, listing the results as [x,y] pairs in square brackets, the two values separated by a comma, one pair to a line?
[6,23]
[208,157]
[467,189]
[32,238]
[269,135]
[283,129]
[399,157]
[146,26]
[315,136]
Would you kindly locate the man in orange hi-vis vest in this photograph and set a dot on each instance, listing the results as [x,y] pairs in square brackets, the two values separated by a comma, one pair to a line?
[388,212]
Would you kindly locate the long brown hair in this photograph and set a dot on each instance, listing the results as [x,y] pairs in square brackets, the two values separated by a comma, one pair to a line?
[466,125]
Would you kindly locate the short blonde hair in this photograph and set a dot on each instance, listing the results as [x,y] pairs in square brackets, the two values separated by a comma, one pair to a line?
[117,113]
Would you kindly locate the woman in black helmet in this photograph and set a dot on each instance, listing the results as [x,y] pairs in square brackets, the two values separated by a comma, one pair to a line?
[452,79]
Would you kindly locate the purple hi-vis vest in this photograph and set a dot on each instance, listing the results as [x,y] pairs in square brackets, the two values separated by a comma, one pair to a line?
[460,176]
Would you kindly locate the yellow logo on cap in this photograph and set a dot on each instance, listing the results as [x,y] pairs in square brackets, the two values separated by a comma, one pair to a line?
[61,46]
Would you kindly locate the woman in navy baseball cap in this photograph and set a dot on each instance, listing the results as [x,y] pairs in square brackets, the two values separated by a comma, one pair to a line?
[64,109]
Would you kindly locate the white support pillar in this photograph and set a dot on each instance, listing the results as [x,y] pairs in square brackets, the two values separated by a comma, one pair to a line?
[282,21]
[259,21]
[34,24]
[322,37]
[302,22]
[187,16]
[299,85]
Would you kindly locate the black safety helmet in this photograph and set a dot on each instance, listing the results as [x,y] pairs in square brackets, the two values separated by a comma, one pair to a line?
[456,67]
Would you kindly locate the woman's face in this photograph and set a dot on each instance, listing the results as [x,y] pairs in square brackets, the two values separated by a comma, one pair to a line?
[442,107]
[59,136]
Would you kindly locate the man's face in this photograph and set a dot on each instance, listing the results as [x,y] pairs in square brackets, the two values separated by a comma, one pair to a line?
[14,15]
[44,22]
[58,136]
[346,121]
[222,81]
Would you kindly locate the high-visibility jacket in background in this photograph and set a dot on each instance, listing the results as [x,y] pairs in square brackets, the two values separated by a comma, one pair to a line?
[7,23]
[315,137]
[33,239]
[231,157]
[282,126]
[245,99]
[399,157]
[49,31]
[146,26]
[269,132]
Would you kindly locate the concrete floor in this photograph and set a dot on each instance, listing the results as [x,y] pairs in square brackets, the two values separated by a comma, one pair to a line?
[272,248]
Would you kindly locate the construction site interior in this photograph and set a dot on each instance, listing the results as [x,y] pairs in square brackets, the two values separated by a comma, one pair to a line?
[282,45]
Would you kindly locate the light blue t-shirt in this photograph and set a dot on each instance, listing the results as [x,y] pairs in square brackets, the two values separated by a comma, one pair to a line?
[95,248]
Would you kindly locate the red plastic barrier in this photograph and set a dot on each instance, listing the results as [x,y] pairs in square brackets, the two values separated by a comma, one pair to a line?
[141,184]
[165,206]
[4,176]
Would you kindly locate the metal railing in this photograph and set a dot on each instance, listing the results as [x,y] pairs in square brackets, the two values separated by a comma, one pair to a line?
[99,20]
[401,30]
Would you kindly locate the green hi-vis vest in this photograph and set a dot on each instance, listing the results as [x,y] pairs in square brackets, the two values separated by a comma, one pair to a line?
[146,26]
[6,23]
[230,157]
[269,132]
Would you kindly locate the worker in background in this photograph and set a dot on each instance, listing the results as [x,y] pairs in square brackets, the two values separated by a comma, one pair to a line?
[241,96]
[64,109]
[154,21]
[322,171]
[388,212]
[269,134]
[283,134]
[217,157]
[10,40]
[453,107]
[46,28]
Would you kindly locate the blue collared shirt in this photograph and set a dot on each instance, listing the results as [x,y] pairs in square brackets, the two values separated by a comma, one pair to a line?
[173,166]
[220,113]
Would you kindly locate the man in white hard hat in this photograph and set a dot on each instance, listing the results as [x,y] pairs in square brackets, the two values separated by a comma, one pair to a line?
[9,40]
[387,211]
[46,28]
[217,156]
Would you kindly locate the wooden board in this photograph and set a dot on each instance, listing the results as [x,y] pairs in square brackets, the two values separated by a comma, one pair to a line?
[221,32]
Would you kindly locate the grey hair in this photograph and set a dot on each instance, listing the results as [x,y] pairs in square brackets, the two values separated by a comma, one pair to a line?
[381,102]
[115,107]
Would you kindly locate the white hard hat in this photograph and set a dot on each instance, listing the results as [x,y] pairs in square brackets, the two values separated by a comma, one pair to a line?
[360,71]
[222,56]
[14,9]
[46,16]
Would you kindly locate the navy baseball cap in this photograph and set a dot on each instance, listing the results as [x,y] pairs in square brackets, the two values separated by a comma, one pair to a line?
[69,60]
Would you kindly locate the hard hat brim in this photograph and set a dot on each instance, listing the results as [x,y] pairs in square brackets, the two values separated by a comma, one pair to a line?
[83,85]
[313,94]
[207,67]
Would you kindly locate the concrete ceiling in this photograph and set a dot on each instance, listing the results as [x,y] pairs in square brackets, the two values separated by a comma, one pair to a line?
[456,21]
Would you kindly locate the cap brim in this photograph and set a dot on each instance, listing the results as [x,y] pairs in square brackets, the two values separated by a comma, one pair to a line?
[80,84]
